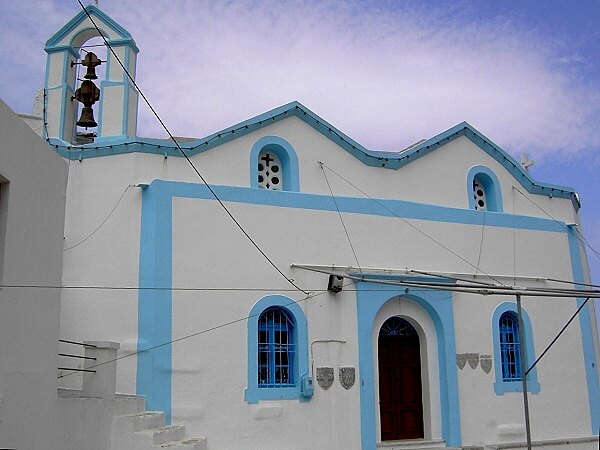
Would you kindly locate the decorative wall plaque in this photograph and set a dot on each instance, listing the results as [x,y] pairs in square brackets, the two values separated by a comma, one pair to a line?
[486,363]
[472,359]
[461,360]
[347,377]
[325,376]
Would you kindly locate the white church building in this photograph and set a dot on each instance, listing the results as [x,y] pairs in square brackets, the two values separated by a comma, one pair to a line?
[277,285]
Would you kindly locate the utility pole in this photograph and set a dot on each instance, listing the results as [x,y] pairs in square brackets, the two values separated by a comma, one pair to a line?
[523,369]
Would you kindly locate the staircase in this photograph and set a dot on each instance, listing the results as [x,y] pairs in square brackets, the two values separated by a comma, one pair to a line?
[147,431]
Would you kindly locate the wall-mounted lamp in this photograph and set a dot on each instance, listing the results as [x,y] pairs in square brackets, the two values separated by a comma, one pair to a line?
[335,283]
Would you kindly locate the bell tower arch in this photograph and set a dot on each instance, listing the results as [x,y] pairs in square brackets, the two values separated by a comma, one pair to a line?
[117,110]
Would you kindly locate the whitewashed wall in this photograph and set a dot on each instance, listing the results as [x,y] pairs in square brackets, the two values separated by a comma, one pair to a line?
[210,370]
[31,237]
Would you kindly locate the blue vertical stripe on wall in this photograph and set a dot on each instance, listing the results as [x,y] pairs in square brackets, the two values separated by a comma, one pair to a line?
[587,336]
[154,305]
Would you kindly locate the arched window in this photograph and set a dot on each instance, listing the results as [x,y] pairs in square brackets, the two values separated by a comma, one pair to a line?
[510,356]
[483,189]
[277,351]
[507,347]
[276,348]
[273,165]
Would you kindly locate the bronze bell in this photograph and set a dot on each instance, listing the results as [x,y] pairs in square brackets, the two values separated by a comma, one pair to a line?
[88,94]
[91,61]
[87,118]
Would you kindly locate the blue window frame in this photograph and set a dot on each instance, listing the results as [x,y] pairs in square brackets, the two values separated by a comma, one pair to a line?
[507,360]
[277,350]
[510,347]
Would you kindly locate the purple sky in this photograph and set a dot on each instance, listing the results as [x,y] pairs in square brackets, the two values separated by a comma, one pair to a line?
[386,73]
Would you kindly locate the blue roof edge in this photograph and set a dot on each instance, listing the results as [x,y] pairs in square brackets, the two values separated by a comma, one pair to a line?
[388,160]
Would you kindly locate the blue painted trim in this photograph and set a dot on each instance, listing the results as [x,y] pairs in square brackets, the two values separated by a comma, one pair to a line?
[500,386]
[287,156]
[253,394]
[155,315]
[63,48]
[80,17]
[369,157]
[586,322]
[438,304]
[155,306]
[491,184]
[380,207]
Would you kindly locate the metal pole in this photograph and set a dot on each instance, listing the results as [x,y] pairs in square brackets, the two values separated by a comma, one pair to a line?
[523,369]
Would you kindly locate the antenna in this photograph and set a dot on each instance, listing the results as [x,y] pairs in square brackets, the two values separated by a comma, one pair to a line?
[526,162]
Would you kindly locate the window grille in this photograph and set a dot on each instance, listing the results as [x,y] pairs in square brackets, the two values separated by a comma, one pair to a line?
[276,349]
[396,326]
[269,171]
[479,195]
[510,347]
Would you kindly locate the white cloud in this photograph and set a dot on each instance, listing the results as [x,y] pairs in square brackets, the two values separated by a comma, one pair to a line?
[386,77]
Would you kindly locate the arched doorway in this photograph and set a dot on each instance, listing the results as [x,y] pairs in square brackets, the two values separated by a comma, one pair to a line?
[400,390]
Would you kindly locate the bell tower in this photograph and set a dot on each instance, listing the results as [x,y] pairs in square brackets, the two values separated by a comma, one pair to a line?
[118,98]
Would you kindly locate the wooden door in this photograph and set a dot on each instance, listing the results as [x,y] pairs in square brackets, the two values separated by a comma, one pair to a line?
[400,399]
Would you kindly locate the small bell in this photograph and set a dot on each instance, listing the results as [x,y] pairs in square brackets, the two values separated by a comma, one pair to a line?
[91,61]
[87,118]
[88,94]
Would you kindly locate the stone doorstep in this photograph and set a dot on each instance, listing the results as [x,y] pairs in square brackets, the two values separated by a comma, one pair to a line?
[413,444]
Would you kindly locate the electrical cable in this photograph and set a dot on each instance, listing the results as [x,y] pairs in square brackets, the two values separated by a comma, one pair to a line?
[198,333]
[340,215]
[411,225]
[103,222]
[480,242]
[213,193]
[581,237]
[557,336]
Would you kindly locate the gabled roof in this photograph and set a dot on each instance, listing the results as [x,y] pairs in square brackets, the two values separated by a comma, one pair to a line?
[119,34]
[387,160]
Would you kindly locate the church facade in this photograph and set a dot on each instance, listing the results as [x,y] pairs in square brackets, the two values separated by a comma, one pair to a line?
[277,285]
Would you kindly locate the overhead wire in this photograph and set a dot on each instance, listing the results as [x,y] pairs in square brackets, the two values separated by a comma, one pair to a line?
[410,224]
[340,215]
[197,333]
[480,242]
[211,190]
[103,222]
[557,336]
[580,236]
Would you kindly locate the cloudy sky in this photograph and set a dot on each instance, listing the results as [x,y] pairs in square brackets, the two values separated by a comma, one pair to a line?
[387,73]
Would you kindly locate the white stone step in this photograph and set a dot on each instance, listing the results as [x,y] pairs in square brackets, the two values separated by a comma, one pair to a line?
[187,444]
[124,428]
[160,436]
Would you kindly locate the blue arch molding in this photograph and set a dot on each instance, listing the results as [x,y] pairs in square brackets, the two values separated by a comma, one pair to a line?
[438,304]
[287,156]
[386,160]
[492,187]
[154,306]
[95,12]
[501,386]
[253,393]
